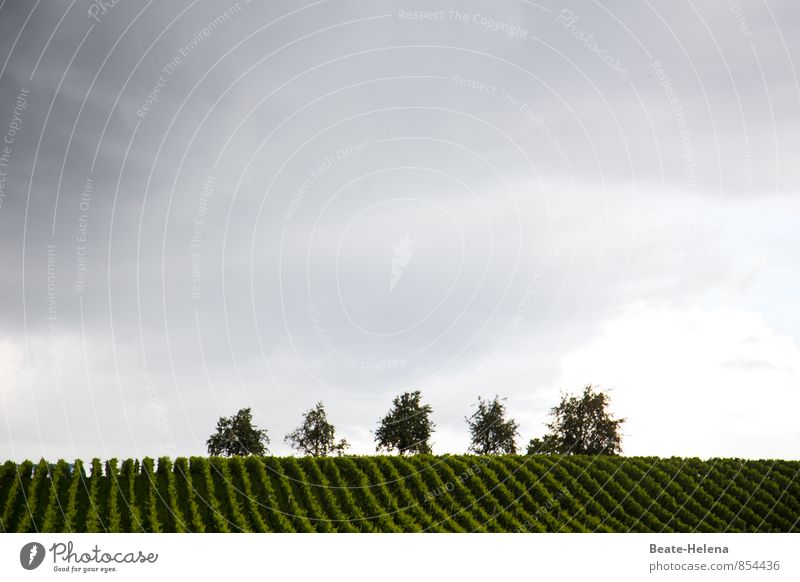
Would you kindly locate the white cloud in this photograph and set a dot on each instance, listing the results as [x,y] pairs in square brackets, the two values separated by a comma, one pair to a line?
[696,382]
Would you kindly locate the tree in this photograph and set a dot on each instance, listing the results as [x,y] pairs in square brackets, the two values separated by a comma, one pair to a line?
[543,446]
[492,433]
[316,436]
[581,425]
[407,427]
[236,436]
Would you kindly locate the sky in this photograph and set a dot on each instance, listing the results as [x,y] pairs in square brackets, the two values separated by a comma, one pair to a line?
[206,206]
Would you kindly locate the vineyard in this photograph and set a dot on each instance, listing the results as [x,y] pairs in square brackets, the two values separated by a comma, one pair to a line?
[396,494]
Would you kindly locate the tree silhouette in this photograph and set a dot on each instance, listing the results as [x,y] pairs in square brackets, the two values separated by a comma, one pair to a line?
[581,425]
[316,436]
[491,432]
[407,427]
[236,436]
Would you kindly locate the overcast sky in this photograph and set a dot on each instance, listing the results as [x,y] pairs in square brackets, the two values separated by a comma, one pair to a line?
[212,205]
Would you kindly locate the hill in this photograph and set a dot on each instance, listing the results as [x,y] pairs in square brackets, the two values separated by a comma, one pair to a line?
[395,494]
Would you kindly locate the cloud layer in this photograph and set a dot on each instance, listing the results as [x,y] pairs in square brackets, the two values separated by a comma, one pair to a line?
[207,206]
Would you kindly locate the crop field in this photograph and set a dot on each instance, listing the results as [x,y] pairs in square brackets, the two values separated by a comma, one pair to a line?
[419,493]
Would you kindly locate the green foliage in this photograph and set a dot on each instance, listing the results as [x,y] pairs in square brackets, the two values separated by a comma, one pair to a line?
[316,436]
[226,495]
[15,505]
[94,523]
[581,425]
[491,432]
[458,493]
[186,495]
[149,496]
[35,490]
[407,428]
[237,436]
[203,483]
[74,518]
[171,512]
[54,511]
[113,518]
[240,484]
[264,496]
[547,445]
[131,514]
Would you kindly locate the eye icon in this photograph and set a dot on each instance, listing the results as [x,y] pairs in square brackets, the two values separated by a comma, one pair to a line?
[31,555]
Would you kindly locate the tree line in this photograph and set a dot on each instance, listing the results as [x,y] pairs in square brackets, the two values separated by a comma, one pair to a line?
[579,424]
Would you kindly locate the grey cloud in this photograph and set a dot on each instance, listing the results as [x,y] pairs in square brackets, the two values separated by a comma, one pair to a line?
[491,149]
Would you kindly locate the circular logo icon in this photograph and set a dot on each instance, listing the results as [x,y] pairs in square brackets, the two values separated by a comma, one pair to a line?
[31,555]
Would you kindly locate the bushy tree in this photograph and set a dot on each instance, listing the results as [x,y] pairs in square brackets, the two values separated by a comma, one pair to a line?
[316,436]
[491,432]
[407,427]
[543,446]
[581,425]
[236,436]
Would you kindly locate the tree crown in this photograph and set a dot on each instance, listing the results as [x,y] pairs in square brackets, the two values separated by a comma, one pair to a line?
[316,436]
[407,427]
[491,432]
[237,436]
[581,425]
